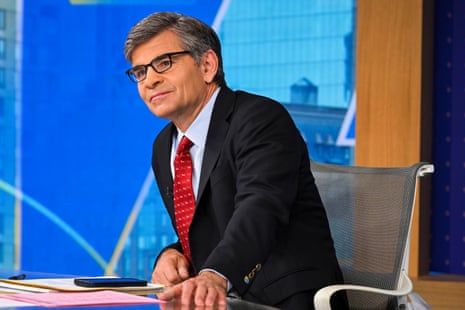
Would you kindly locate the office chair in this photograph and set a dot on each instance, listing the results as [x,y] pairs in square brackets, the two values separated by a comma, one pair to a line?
[370,214]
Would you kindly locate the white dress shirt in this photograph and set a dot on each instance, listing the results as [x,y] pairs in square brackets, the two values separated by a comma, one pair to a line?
[197,133]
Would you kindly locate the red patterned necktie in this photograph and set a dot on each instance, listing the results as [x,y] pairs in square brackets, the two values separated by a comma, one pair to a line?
[184,200]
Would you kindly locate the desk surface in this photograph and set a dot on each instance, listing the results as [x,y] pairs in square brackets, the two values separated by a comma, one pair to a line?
[233,303]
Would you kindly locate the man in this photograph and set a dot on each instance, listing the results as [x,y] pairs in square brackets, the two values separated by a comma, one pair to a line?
[259,230]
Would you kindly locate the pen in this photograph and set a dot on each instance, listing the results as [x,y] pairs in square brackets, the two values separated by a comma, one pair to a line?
[21,276]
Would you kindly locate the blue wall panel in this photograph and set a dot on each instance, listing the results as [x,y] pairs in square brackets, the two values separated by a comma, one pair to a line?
[448,204]
[86,136]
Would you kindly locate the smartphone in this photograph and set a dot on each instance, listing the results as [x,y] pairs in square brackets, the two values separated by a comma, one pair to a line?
[109,282]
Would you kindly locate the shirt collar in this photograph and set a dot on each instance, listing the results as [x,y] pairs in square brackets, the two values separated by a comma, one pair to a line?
[197,131]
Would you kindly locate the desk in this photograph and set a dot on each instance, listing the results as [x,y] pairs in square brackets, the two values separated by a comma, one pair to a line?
[232,303]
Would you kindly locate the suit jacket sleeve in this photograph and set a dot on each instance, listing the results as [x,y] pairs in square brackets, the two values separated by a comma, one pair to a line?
[262,153]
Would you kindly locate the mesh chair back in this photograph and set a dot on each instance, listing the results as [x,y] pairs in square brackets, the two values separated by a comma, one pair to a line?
[370,212]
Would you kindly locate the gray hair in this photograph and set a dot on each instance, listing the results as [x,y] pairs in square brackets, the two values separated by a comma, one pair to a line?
[196,36]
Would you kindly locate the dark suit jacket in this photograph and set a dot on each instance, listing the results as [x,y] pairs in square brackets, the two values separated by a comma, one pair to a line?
[259,219]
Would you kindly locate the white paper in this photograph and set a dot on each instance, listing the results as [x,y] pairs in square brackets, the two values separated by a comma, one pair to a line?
[67,285]
[5,303]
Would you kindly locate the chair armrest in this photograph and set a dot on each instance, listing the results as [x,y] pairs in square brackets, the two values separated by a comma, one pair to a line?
[323,296]
[425,169]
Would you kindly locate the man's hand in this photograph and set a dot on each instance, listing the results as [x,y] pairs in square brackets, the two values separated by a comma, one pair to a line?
[172,268]
[206,289]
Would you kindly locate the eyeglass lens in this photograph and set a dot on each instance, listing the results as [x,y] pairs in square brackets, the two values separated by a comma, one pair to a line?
[160,64]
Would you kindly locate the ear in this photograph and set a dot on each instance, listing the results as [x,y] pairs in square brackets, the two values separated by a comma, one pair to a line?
[209,65]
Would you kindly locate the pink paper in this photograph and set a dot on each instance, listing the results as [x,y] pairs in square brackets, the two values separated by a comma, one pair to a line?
[64,299]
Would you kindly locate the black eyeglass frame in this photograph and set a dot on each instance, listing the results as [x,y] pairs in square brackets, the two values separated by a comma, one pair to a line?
[132,76]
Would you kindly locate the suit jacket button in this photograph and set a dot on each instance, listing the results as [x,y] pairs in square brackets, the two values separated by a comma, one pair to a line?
[246,280]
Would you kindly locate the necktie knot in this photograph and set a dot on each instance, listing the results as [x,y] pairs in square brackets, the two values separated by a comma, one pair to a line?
[184,145]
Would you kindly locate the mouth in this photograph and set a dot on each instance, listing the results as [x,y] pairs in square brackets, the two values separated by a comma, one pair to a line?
[158,96]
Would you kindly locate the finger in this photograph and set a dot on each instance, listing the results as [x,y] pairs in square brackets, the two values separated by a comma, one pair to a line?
[200,295]
[183,273]
[167,270]
[183,268]
[215,296]
[157,277]
[162,277]
[170,275]
[165,274]
[169,293]
[173,277]
[188,290]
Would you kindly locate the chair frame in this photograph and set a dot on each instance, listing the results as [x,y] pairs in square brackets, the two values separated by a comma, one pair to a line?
[404,284]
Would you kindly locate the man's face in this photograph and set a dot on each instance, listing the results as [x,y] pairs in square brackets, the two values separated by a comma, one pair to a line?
[179,93]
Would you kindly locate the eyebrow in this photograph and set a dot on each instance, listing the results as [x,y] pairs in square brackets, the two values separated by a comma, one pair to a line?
[160,57]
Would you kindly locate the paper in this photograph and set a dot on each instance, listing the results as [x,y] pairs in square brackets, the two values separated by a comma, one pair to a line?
[67,285]
[8,304]
[63,299]
[17,288]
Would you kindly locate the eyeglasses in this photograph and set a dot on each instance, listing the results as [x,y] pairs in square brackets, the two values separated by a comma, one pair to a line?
[160,64]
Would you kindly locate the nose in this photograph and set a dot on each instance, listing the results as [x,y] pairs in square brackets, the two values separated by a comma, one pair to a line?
[152,77]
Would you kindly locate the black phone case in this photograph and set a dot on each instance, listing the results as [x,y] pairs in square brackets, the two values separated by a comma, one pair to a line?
[109,282]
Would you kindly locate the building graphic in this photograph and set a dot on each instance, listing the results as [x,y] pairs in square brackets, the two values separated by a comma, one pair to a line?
[75,139]
[9,131]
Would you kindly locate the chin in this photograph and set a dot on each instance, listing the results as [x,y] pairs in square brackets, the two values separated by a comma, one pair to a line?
[161,113]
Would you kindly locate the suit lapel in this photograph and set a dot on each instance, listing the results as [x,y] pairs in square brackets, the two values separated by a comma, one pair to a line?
[219,125]
[164,174]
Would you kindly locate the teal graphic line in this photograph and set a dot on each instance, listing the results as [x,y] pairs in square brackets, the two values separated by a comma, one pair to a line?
[55,219]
